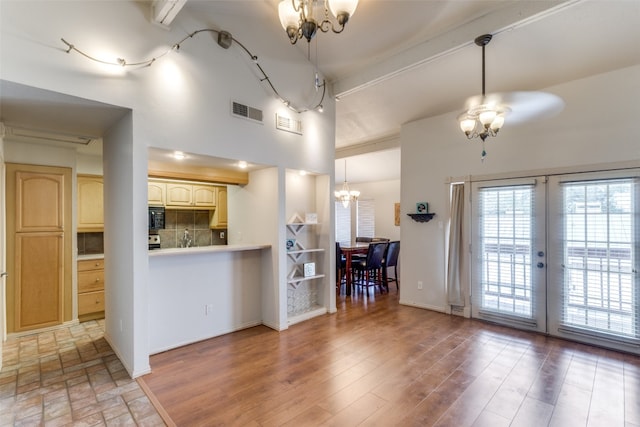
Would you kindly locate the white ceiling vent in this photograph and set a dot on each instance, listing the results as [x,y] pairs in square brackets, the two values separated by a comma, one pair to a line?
[288,124]
[246,112]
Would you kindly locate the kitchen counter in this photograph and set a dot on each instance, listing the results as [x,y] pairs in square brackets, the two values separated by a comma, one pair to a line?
[206,249]
[90,256]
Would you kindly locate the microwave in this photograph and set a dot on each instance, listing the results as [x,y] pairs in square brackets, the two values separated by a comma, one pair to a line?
[156,217]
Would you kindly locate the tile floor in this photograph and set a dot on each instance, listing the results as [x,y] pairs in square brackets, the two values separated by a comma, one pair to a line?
[69,376]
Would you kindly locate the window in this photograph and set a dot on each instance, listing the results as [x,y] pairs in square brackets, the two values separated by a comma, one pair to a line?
[599,289]
[365,220]
[366,223]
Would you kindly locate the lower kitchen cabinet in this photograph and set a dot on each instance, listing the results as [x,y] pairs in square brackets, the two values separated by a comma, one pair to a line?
[90,289]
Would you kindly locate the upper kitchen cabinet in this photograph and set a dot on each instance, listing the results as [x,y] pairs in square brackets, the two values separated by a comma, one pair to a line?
[156,193]
[90,203]
[181,194]
[219,216]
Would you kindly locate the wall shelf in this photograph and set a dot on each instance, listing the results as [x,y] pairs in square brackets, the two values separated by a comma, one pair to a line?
[421,217]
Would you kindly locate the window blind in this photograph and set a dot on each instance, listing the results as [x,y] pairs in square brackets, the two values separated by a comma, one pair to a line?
[366,223]
[343,223]
[506,222]
[600,239]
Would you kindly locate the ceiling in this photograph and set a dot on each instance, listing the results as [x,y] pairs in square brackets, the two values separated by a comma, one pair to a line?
[398,61]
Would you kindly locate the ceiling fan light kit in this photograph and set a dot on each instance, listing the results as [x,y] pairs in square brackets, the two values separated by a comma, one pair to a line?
[303,18]
[485,114]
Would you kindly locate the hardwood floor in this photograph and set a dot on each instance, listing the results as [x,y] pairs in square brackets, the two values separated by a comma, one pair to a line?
[377,363]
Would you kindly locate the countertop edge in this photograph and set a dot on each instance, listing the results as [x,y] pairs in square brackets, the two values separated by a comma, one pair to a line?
[89,257]
[206,249]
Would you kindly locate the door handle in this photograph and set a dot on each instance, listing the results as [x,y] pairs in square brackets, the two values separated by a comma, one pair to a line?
[3,274]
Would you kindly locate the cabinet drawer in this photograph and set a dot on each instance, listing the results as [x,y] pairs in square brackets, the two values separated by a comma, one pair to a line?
[91,264]
[92,280]
[90,302]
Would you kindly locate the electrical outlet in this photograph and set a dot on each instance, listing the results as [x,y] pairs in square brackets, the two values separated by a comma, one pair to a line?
[120,325]
[420,284]
[208,309]
[222,234]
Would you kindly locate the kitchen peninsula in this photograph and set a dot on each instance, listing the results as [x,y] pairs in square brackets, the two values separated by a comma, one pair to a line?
[202,292]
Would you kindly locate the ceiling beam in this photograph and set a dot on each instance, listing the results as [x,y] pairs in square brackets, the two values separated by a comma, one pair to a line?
[511,16]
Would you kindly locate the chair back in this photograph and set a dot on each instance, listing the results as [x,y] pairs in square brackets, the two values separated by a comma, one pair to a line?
[339,256]
[380,239]
[375,255]
[392,254]
[364,239]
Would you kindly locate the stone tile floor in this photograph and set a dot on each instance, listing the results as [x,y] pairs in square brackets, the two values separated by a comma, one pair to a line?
[69,377]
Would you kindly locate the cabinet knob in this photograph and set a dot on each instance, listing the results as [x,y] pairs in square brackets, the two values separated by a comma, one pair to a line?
[97,264]
[97,301]
[97,279]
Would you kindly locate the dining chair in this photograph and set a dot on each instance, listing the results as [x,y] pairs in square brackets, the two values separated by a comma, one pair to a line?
[341,267]
[391,260]
[368,272]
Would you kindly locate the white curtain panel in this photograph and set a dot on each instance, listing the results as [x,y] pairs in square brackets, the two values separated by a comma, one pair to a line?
[454,260]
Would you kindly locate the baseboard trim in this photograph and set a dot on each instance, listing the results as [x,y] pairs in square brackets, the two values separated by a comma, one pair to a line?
[156,403]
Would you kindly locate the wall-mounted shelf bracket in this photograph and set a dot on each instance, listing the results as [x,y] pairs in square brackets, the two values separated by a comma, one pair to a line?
[421,217]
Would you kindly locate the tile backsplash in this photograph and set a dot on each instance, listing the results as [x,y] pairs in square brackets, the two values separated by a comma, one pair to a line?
[197,224]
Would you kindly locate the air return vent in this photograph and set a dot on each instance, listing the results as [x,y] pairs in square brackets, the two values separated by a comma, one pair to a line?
[288,124]
[246,112]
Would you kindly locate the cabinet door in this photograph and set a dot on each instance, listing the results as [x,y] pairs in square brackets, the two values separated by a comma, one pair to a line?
[204,195]
[156,193]
[219,218]
[179,194]
[90,203]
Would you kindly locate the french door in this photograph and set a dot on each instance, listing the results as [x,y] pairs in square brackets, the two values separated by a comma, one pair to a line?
[560,256]
[509,252]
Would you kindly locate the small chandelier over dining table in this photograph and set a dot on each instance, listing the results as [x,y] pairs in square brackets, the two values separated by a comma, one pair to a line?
[346,195]
[303,18]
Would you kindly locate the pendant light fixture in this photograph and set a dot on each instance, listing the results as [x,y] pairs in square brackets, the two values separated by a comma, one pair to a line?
[346,195]
[303,18]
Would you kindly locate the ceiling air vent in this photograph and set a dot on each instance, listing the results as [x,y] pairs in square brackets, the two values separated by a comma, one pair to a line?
[288,124]
[246,112]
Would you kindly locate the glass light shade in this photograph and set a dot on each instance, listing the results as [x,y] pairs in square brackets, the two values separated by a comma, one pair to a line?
[497,123]
[486,117]
[354,194]
[467,125]
[343,6]
[288,16]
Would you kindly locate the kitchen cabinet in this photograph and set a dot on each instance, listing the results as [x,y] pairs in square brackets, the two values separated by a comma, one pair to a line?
[219,216]
[90,203]
[90,289]
[180,194]
[156,193]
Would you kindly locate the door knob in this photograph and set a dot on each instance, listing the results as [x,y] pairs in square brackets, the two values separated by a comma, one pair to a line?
[540,265]
[3,274]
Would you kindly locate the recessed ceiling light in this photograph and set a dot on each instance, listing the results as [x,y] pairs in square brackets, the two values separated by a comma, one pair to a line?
[242,164]
[179,155]
[303,173]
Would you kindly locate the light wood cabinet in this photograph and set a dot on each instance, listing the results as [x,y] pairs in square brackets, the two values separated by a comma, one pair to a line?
[219,216]
[90,203]
[175,194]
[90,289]
[156,193]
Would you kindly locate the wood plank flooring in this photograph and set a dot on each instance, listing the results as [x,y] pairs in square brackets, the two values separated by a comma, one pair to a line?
[377,363]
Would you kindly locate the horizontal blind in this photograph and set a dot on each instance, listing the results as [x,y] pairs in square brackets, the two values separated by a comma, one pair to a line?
[600,237]
[366,225]
[343,222]
[506,224]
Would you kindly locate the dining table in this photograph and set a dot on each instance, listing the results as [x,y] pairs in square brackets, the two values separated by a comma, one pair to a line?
[348,249]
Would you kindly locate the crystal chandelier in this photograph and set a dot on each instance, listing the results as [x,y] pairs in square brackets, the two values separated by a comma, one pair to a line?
[486,118]
[303,18]
[346,195]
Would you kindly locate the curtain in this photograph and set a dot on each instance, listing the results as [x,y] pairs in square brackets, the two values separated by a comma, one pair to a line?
[454,260]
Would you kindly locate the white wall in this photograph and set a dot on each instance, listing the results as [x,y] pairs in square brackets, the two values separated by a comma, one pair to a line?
[597,127]
[181,102]
[385,194]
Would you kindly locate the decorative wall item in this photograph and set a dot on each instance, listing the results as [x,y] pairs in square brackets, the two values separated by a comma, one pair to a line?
[396,213]
[311,218]
[422,207]
[291,243]
[309,269]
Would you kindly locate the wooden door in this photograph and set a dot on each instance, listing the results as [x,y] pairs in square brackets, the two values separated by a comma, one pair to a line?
[39,246]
